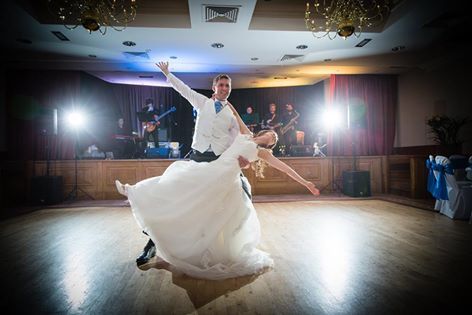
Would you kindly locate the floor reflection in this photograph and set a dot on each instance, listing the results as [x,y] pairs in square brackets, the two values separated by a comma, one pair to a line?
[335,258]
[76,277]
[193,286]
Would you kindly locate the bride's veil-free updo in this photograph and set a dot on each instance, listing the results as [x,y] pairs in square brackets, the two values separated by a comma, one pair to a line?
[259,165]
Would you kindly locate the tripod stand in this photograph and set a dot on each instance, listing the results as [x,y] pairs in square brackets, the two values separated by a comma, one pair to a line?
[73,194]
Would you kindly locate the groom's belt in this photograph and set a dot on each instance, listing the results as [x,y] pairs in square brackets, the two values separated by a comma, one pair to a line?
[206,156]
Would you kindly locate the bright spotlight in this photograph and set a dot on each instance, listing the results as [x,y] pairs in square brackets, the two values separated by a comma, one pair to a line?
[332,118]
[75,119]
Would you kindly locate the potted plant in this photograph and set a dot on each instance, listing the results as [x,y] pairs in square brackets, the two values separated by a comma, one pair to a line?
[445,130]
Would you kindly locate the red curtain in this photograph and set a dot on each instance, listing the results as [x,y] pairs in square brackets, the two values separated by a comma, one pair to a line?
[369,102]
[30,96]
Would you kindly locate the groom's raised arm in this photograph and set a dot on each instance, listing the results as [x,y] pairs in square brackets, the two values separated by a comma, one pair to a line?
[197,100]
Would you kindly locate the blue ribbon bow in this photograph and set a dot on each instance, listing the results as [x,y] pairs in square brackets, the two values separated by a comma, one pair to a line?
[440,188]
[431,177]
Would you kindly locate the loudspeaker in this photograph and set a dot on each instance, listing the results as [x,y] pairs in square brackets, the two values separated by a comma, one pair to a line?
[46,190]
[356,183]
[301,150]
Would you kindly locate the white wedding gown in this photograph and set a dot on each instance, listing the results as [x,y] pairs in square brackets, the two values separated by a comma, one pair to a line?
[200,218]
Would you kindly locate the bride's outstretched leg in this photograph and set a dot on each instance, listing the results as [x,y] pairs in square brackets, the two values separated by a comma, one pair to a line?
[121,188]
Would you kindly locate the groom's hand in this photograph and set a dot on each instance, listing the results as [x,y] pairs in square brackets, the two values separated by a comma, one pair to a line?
[243,162]
[164,66]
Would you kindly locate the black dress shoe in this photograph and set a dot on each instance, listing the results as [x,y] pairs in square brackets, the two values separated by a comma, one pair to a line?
[148,252]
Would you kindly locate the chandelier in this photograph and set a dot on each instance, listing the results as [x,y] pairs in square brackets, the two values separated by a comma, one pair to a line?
[344,17]
[94,15]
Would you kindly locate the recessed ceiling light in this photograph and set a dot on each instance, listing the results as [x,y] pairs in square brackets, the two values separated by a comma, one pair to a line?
[217,45]
[92,56]
[129,43]
[146,76]
[302,47]
[254,82]
[173,57]
[280,78]
[254,58]
[398,48]
[327,60]
[24,41]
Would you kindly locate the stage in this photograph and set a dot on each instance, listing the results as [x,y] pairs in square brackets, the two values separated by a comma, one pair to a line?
[402,175]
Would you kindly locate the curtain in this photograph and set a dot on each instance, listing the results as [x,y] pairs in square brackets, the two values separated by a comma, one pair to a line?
[369,104]
[31,97]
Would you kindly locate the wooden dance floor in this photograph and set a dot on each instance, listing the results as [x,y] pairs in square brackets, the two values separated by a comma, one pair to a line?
[331,257]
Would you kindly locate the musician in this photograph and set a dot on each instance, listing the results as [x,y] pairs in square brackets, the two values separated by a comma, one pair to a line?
[251,119]
[271,119]
[150,133]
[289,132]
[121,128]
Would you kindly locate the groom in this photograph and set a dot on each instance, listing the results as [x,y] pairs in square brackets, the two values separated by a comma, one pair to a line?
[215,130]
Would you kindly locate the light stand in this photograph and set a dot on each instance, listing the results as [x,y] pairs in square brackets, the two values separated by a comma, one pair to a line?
[73,194]
[75,120]
[334,120]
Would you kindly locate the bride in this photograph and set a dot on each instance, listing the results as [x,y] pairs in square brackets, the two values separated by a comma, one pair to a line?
[198,215]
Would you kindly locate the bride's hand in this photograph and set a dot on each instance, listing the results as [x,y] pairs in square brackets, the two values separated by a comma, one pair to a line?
[312,188]
[164,66]
[243,162]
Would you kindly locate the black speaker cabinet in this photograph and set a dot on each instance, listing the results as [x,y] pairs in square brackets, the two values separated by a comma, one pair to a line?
[356,183]
[46,190]
[301,150]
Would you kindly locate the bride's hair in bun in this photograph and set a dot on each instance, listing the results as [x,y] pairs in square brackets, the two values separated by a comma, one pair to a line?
[275,137]
[259,165]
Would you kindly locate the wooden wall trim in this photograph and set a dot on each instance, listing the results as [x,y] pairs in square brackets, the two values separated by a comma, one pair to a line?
[96,177]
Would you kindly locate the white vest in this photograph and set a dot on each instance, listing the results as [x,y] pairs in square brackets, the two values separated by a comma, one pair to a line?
[211,129]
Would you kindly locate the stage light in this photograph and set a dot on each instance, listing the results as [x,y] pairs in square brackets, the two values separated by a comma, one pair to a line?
[75,119]
[332,118]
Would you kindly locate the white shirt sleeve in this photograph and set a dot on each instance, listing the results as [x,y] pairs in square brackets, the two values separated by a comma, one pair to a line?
[197,100]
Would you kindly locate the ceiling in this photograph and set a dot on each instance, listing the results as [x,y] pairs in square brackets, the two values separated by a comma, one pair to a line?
[266,30]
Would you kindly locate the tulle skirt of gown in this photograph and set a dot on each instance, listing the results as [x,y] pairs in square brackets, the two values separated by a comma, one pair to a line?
[201,219]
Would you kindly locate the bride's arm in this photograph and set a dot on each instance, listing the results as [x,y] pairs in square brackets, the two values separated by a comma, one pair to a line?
[242,126]
[281,166]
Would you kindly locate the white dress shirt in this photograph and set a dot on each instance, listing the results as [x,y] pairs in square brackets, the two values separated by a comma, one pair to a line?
[213,131]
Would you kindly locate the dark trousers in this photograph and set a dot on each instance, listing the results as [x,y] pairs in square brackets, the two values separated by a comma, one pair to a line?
[152,137]
[210,156]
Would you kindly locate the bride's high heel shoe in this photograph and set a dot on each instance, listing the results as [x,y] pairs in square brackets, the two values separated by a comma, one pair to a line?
[121,188]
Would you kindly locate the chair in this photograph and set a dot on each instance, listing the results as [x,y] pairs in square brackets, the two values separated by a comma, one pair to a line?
[459,163]
[468,169]
[452,200]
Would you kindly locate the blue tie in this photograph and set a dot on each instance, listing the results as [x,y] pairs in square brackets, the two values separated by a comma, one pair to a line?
[218,106]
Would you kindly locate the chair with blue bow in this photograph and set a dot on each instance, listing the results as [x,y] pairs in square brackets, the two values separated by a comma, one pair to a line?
[451,200]
[468,169]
